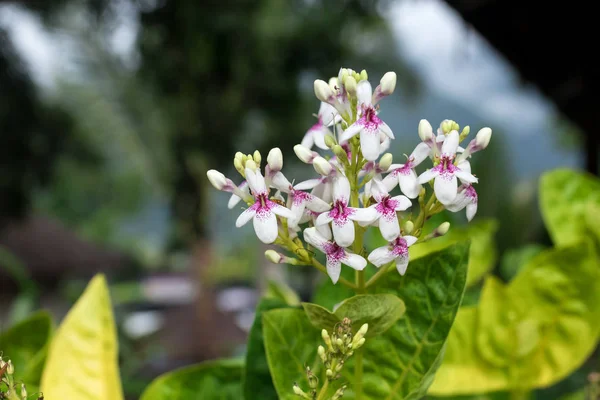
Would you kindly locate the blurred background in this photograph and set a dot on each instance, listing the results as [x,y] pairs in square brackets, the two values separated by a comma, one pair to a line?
[111,111]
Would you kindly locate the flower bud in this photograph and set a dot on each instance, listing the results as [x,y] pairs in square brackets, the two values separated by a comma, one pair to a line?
[323,91]
[408,227]
[448,126]
[483,137]
[350,85]
[363,75]
[388,83]
[339,393]
[273,256]
[300,392]
[359,343]
[340,153]
[339,367]
[216,179]
[385,161]
[363,330]
[23,391]
[257,157]
[313,381]
[329,373]
[322,166]
[304,154]
[10,369]
[330,141]
[339,343]
[327,339]
[321,353]
[333,83]
[251,165]
[275,159]
[425,130]
[442,229]
[237,163]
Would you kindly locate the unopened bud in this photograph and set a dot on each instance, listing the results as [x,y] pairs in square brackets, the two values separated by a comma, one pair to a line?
[339,367]
[350,85]
[363,330]
[321,353]
[339,393]
[425,130]
[442,229]
[483,138]
[237,163]
[465,132]
[329,373]
[304,154]
[340,153]
[273,256]
[216,179]
[388,83]
[10,369]
[385,161]
[300,392]
[257,157]
[23,391]
[448,126]
[333,83]
[313,381]
[408,227]
[323,91]
[251,165]
[275,159]
[339,343]
[358,344]
[330,141]
[322,166]
[327,339]
[363,75]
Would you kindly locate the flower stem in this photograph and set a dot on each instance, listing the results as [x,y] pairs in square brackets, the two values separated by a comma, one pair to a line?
[358,373]
[382,271]
[323,391]
[315,263]
[423,215]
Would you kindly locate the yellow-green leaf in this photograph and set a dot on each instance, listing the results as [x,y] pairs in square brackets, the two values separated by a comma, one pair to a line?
[83,358]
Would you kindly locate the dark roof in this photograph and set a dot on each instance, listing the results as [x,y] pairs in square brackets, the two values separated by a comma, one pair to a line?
[552,45]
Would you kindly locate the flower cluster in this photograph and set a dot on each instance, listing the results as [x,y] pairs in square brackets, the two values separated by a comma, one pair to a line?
[9,389]
[356,182]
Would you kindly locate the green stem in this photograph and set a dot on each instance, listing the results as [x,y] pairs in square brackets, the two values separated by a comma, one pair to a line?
[358,373]
[382,271]
[315,263]
[423,215]
[323,391]
[518,394]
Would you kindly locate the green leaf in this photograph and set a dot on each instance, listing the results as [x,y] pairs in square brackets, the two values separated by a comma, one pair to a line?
[279,290]
[291,344]
[83,357]
[564,199]
[483,254]
[257,382]
[379,311]
[515,259]
[211,380]
[26,344]
[529,334]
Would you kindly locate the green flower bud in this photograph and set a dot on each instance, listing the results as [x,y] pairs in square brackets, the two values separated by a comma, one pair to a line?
[408,227]
[363,75]
[350,85]
[257,157]
[330,141]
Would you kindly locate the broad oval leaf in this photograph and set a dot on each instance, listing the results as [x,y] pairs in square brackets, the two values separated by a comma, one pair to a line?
[531,333]
[83,357]
[26,344]
[564,199]
[257,382]
[380,311]
[211,380]
[483,254]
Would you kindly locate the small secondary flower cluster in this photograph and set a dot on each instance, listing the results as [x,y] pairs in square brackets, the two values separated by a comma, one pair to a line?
[11,390]
[339,347]
[351,193]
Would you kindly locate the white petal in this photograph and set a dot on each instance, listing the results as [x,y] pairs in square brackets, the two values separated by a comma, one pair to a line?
[390,182]
[385,143]
[420,153]
[298,211]
[403,203]
[308,139]
[355,261]
[265,226]
[464,166]
[410,240]
[460,202]
[341,189]
[364,92]
[351,131]
[427,176]
[280,182]
[315,204]
[308,184]
[282,211]
[255,181]
[233,201]
[402,264]
[334,267]
[381,256]
[327,192]
[245,216]
[465,176]
[390,229]
[325,231]
[363,214]
[445,187]
[323,219]
[343,232]
[471,211]
[319,137]
[383,127]
[327,112]
[409,184]
[369,144]
[313,237]
[450,143]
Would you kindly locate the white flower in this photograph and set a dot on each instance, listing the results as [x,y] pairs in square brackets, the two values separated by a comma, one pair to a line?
[396,250]
[369,125]
[301,200]
[405,174]
[446,173]
[316,134]
[263,210]
[386,208]
[466,198]
[342,216]
[235,199]
[386,86]
[335,254]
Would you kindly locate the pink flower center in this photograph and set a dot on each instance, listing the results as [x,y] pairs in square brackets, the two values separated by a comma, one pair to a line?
[387,208]
[334,252]
[446,168]
[340,212]
[262,205]
[406,168]
[471,193]
[400,247]
[370,120]
[299,197]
